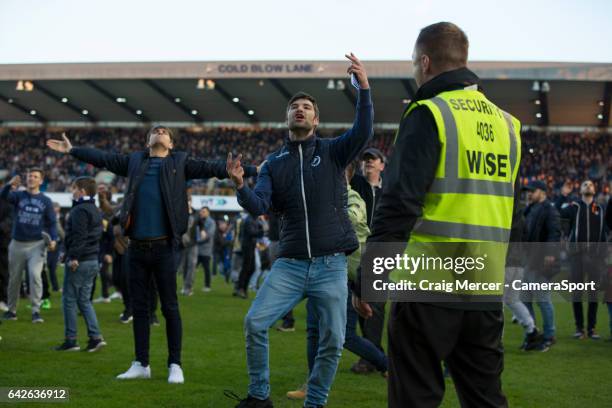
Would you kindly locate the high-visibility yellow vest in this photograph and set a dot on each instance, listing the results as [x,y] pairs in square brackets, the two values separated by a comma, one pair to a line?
[468,208]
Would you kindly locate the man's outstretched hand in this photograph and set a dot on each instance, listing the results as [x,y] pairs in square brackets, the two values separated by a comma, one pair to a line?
[62,146]
[235,170]
[358,69]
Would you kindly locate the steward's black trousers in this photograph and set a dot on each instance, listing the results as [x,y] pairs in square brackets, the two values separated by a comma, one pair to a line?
[422,335]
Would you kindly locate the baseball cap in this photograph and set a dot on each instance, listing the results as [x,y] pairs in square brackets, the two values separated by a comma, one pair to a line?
[373,152]
[535,184]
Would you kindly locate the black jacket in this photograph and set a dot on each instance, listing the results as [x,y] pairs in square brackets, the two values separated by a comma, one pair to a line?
[176,169]
[586,221]
[6,224]
[518,235]
[83,231]
[273,227]
[250,232]
[304,183]
[370,194]
[542,222]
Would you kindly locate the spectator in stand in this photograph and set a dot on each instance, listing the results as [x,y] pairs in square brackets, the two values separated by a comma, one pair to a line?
[553,158]
[557,158]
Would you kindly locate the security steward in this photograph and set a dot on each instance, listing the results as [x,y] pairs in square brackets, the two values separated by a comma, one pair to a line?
[451,179]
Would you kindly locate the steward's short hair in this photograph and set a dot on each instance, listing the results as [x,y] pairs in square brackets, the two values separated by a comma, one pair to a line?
[445,44]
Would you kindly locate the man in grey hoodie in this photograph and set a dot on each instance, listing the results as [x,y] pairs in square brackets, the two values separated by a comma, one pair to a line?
[205,233]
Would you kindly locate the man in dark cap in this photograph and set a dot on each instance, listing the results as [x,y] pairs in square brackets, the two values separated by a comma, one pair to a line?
[369,185]
[543,225]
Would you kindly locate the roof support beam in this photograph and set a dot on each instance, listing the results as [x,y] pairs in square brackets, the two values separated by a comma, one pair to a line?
[125,106]
[153,85]
[22,108]
[238,105]
[70,105]
[281,88]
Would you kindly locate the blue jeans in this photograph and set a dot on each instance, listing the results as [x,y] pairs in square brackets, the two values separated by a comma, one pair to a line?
[354,343]
[548,317]
[543,299]
[323,280]
[77,291]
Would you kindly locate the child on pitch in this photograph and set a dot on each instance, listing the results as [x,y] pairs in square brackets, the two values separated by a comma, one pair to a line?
[83,234]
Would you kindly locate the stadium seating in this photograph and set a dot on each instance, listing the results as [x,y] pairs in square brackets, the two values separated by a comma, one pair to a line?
[555,158]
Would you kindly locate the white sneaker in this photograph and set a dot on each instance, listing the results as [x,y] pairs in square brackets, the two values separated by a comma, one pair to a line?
[136,371]
[102,300]
[3,307]
[175,374]
[115,295]
[206,289]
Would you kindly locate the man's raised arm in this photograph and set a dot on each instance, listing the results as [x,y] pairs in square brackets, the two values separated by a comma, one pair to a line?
[347,146]
[8,192]
[116,163]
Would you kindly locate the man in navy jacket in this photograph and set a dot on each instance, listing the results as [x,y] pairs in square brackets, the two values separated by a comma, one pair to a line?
[154,216]
[304,183]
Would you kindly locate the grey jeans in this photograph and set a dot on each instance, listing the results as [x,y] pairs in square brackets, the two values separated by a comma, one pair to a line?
[187,266]
[512,298]
[33,255]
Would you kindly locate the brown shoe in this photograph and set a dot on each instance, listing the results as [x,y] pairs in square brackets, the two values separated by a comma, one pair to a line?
[298,394]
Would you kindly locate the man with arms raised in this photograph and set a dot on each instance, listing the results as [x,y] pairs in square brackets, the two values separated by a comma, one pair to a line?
[154,216]
[304,183]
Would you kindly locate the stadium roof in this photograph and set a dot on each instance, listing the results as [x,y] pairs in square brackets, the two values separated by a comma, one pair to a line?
[200,93]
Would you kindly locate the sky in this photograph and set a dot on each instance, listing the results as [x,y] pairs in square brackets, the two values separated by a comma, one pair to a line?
[42,31]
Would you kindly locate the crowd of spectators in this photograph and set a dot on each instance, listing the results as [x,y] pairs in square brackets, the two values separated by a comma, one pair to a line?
[554,158]
[571,158]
